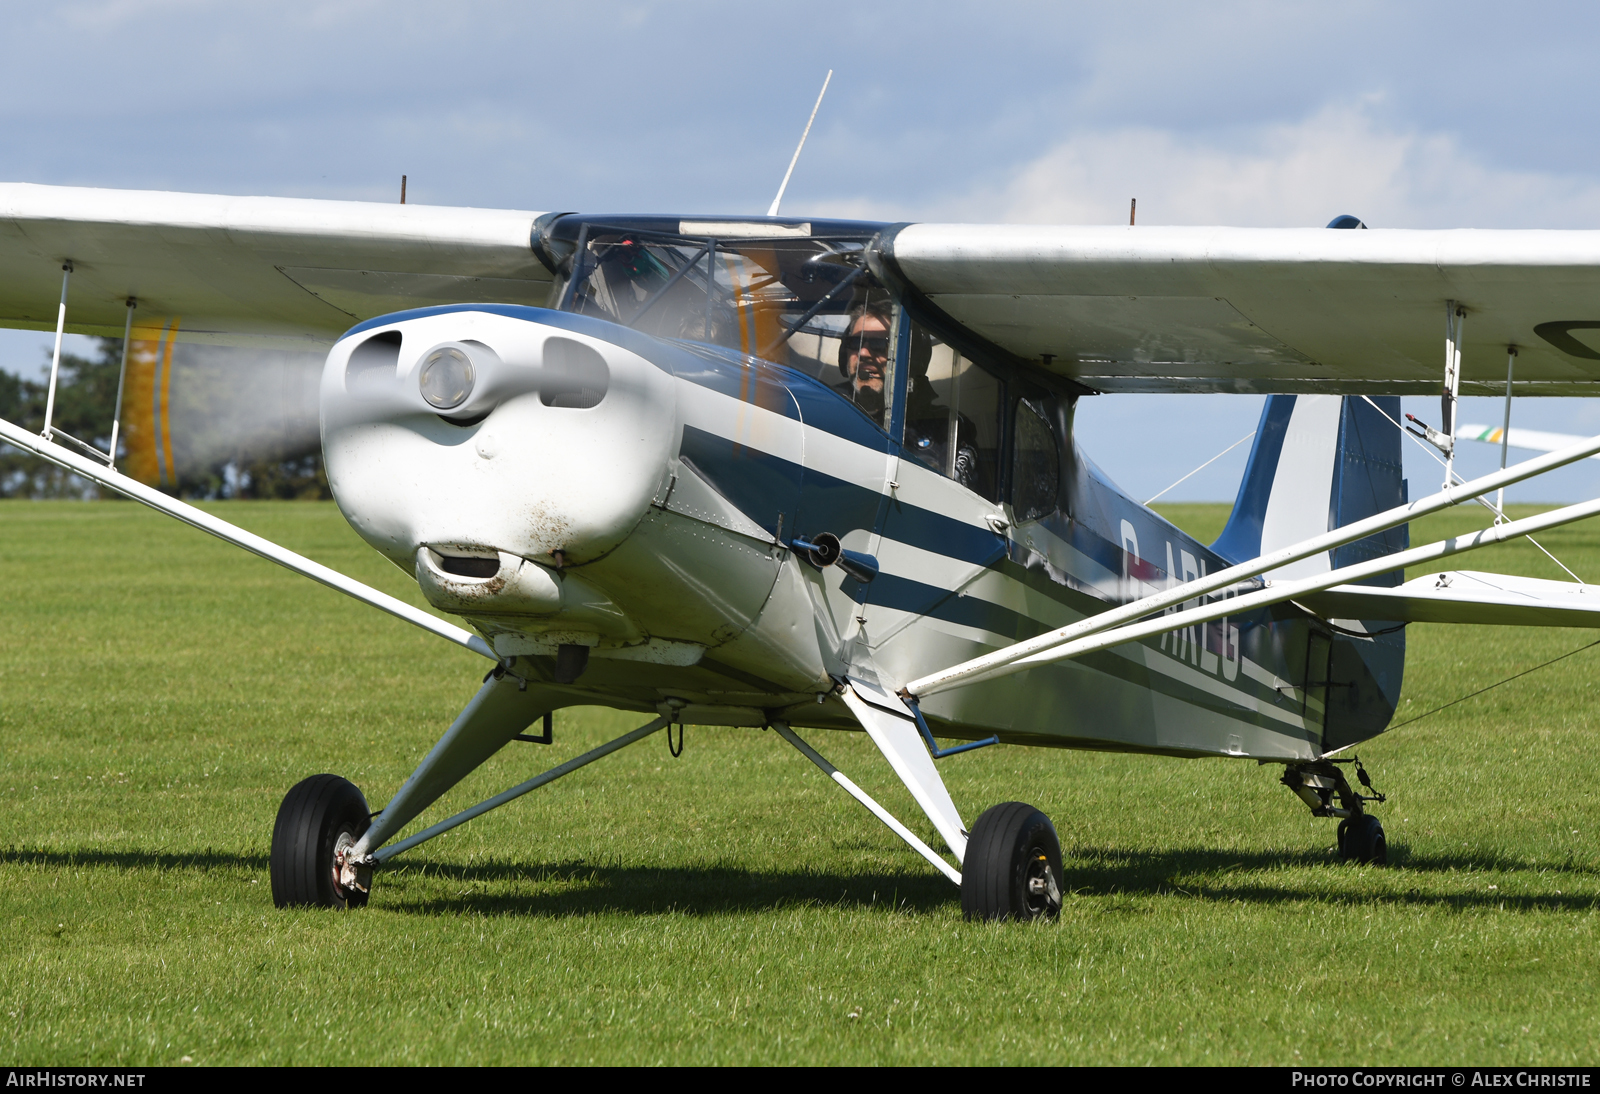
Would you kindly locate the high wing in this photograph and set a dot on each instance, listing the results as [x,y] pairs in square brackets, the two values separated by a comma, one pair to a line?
[1153,309]
[1465,596]
[1115,309]
[282,269]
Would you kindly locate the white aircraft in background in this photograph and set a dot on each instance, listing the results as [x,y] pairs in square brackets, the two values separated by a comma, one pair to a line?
[792,473]
[1536,440]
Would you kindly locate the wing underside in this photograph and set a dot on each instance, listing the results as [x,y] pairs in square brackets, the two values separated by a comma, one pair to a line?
[1268,310]
[284,270]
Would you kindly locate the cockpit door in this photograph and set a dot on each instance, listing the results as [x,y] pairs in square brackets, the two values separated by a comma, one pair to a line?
[943,525]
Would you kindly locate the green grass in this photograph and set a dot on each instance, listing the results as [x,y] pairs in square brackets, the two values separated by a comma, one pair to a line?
[159,692]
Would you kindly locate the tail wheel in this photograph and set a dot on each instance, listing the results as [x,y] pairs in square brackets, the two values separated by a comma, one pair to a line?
[320,818]
[1362,839]
[1012,868]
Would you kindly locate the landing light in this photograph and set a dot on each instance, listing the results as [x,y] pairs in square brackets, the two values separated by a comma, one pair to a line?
[447,376]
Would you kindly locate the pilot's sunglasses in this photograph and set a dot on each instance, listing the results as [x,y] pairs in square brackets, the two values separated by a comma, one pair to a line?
[875,344]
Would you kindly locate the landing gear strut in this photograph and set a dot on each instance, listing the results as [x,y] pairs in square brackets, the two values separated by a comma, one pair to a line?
[1318,784]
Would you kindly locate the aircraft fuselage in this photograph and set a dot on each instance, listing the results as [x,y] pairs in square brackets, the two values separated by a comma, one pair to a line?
[623,504]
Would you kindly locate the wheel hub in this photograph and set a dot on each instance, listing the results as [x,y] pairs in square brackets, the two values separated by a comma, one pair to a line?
[1040,883]
[349,873]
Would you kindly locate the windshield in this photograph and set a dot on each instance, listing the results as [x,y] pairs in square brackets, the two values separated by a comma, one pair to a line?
[774,290]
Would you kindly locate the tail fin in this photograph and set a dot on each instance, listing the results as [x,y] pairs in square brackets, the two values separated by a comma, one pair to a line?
[1319,463]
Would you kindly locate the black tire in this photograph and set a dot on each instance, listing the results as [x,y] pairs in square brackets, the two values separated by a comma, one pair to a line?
[313,816]
[1363,841]
[1012,868]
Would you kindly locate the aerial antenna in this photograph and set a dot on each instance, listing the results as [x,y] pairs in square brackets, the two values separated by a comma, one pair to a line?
[772,212]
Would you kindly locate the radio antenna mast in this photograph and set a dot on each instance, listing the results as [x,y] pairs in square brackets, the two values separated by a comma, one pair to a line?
[784,185]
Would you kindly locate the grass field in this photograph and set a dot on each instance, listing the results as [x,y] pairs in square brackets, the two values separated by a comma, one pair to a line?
[160,691]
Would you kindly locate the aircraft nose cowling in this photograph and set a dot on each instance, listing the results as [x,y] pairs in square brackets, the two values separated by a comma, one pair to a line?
[470,432]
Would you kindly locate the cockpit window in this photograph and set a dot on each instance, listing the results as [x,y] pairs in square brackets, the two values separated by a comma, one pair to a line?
[795,297]
[1035,464]
[953,414]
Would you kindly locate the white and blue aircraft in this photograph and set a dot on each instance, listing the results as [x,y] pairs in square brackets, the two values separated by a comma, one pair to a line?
[799,474]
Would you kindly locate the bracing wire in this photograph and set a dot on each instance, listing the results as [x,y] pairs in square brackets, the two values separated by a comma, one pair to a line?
[1497,683]
[1499,513]
[1554,559]
[1205,465]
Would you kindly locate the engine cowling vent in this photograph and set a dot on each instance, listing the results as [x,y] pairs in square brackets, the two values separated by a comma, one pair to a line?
[463,566]
[575,375]
[374,360]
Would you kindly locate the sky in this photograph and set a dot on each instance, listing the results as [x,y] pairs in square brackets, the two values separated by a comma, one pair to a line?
[1273,114]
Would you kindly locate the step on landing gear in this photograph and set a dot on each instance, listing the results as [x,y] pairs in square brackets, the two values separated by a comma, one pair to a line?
[320,819]
[1012,868]
[1360,836]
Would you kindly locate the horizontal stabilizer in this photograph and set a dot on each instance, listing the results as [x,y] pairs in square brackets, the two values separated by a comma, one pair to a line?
[1464,596]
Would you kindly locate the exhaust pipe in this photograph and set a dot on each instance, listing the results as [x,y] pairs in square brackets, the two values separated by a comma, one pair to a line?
[825,550]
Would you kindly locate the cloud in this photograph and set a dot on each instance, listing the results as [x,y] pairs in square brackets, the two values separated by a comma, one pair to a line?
[1338,160]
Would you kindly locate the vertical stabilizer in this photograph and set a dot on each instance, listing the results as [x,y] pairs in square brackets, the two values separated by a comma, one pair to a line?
[1318,463]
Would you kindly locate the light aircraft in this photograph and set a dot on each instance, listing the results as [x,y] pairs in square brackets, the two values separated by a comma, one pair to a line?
[807,474]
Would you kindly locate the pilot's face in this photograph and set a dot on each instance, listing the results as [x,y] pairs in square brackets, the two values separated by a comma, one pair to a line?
[867,354]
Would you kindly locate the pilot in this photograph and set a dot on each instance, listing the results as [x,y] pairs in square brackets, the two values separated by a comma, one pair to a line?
[864,359]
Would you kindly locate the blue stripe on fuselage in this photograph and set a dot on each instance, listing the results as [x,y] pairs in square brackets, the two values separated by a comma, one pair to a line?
[762,485]
[936,602]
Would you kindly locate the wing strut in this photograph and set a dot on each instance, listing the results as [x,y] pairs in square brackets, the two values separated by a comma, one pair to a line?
[1505,431]
[1279,592]
[122,380]
[995,664]
[55,358]
[1455,318]
[62,457]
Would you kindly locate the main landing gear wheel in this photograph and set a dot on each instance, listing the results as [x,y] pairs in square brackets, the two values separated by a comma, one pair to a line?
[320,818]
[1361,838]
[1012,869]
